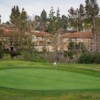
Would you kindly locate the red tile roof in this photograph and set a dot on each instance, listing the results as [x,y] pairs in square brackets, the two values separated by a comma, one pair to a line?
[78,35]
[41,34]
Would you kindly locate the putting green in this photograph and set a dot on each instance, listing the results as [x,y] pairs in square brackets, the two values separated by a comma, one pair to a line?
[46,79]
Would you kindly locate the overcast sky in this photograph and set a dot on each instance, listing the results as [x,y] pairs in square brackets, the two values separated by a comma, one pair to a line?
[34,7]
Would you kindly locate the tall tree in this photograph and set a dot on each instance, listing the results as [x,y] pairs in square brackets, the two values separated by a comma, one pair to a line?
[51,14]
[0,19]
[64,23]
[15,15]
[92,10]
[51,21]
[43,19]
[58,14]
[22,27]
[76,17]
[23,20]
[54,21]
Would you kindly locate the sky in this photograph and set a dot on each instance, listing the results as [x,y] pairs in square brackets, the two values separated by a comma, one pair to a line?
[35,7]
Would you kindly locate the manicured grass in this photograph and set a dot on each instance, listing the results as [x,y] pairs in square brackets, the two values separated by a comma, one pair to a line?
[20,80]
[46,79]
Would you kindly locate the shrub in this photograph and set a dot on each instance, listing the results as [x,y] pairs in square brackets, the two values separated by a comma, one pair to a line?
[69,54]
[31,56]
[89,58]
[97,58]
[1,54]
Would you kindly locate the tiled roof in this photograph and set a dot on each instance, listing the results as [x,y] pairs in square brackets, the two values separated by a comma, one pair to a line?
[41,34]
[9,32]
[78,35]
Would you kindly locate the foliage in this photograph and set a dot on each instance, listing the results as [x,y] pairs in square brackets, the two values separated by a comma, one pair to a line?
[89,58]
[15,14]
[0,19]
[1,51]
[33,56]
[69,54]
[1,54]
[92,10]
[84,17]
[43,19]
[76,47]
[76,17]
[97,58]
[64,21]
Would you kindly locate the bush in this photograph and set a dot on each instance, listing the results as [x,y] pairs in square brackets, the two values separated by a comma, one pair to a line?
[89,58]
[31,56]
[1,54]
[69,54]
[97,58]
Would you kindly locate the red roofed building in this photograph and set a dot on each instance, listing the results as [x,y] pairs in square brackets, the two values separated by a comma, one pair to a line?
[41,40]
[84,37]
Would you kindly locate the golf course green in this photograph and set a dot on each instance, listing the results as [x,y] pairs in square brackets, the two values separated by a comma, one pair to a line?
[46,79]
[23,80]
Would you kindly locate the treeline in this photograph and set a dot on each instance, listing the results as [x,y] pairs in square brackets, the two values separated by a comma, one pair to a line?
[84,17]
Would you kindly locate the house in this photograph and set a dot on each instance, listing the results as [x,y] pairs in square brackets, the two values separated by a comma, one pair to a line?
[84,37]
[42,41]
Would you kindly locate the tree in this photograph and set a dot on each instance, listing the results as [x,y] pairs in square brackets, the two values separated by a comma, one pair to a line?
[36,23]
[51,20]
[64,23]
[43,15]
[51,14]
[15,16]
[76,17]
[54,27]
[43,19]
[21,39]
[23,21]
[92,10]
[0,19]
[54,21]
[58,14]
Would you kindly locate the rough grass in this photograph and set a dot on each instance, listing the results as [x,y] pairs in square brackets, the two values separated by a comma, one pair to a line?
[69,94]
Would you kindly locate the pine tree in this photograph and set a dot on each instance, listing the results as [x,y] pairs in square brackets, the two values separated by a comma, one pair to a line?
[76,17]
[51,14]
[23,20]
[15,15]
[64,21]
[43,19]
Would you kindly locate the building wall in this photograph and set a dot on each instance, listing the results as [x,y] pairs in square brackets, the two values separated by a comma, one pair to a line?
[86,41]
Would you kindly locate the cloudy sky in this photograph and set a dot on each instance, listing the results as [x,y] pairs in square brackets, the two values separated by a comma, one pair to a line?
[34,7]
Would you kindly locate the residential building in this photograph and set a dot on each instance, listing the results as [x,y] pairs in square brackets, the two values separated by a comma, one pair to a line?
[84,37]
[42,41]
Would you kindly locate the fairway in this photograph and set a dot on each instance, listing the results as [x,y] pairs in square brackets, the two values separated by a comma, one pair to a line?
[46,79]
